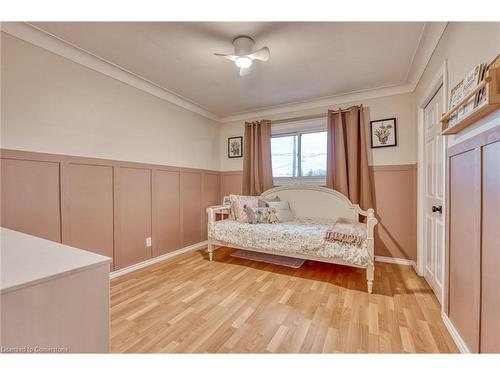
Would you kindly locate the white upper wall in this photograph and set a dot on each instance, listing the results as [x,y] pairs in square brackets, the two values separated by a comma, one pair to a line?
[54,105]
[462,46]
[400,106]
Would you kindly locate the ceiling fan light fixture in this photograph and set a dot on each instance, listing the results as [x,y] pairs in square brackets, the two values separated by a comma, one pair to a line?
[244,54]
[243,62]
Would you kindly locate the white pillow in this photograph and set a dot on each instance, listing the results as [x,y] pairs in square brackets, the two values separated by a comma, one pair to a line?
[283,211]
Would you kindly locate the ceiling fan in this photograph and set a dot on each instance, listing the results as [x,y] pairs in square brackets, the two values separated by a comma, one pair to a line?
[244,54]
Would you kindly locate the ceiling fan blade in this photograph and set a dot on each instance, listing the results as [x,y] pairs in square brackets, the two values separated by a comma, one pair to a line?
[229,57]
[244,71]
[262,54]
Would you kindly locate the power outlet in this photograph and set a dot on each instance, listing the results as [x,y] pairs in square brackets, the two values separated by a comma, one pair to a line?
[148,242]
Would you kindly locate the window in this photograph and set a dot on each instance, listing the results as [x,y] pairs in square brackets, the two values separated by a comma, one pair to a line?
[313,154]
[299,156]
[284,151]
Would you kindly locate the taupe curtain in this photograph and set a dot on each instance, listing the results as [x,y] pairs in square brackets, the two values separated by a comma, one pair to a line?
[347,160]
[257,169]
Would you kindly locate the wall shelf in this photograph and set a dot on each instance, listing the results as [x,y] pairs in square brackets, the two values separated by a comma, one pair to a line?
[491,84]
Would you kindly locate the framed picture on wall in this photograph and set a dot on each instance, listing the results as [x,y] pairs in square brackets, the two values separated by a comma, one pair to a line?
[235,147]
[383,133]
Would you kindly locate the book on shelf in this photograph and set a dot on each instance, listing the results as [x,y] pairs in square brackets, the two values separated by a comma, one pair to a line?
[481,95]
[464,87]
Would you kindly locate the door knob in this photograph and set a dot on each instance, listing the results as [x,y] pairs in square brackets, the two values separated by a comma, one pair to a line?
[437,209]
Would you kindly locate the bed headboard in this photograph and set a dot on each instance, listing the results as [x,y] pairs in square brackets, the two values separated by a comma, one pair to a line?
[314,201]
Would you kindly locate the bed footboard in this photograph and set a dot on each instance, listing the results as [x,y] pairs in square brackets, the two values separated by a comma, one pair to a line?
[370,225]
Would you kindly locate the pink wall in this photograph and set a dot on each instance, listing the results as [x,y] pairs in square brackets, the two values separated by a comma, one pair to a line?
[490,242]
[105,206]
[166,207]
[132,215]
[395,200]
[30,197]
[87,201]
[472,300]
[464,261]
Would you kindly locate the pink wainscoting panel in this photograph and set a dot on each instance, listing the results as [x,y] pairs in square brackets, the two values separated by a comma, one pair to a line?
[31,197]
[132,216]
[167,210]
[395,201]
[231,183]
[464,242]
[87,207]
[191,193]
[490,275]
[211,197]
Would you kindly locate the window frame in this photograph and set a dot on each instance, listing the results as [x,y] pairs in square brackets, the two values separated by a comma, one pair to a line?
[307,180]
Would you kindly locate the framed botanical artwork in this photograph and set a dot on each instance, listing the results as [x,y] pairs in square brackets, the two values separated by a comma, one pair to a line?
[235,147]
[383,133]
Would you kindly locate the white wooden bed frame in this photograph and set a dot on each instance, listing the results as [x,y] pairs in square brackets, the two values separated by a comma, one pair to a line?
[307,202]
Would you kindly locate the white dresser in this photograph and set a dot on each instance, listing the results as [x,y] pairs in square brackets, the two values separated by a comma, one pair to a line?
[54,298]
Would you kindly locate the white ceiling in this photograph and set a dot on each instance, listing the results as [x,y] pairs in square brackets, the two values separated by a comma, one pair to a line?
[309,60]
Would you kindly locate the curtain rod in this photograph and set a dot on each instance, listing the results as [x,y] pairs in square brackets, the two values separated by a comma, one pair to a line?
[308,117]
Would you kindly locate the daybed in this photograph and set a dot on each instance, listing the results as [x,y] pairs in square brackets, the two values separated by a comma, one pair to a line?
[315,209]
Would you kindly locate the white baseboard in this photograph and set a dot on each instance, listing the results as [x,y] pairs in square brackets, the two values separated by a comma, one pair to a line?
[401,261]
[157,259]
[454,334]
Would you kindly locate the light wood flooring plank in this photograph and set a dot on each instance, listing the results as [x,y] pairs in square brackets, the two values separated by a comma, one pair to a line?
[231,305]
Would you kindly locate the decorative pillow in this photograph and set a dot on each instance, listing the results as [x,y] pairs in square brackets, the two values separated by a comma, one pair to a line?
[265,202]
[261,215]
[238,203]
[251,214]
[347,231]
[283,212]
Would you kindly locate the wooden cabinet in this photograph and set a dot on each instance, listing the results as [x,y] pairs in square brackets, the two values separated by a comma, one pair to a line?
[55,298]
[473,245]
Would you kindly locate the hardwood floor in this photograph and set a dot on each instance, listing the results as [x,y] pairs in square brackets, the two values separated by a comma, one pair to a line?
[189,305]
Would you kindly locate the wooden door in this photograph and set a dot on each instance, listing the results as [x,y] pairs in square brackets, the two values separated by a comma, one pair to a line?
[434,228]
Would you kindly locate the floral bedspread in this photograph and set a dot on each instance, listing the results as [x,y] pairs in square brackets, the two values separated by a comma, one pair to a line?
[304,236]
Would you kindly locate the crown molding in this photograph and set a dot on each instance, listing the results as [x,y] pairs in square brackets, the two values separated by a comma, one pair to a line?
[58,46]
[321,102]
